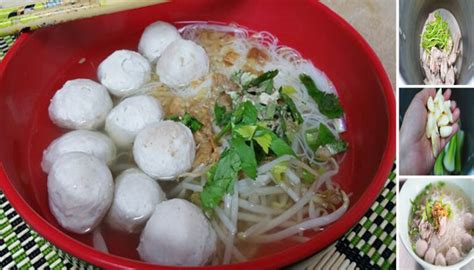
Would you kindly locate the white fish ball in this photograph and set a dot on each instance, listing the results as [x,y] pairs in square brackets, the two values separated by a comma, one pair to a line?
[164,150]
[177,233]
[181,63]
[80,104]
[135,198]
[90,142]
[156,38]
[130,116]
[80,190]
[124,72]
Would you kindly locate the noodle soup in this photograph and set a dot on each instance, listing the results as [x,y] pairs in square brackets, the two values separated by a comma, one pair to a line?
[441,224]
[249,149]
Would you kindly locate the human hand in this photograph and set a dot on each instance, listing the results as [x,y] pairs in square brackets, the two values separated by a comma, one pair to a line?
[416,153]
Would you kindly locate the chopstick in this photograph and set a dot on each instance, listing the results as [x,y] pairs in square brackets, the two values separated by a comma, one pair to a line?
[33,16]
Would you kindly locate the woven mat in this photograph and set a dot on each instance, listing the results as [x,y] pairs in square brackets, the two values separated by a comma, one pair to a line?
[369,245]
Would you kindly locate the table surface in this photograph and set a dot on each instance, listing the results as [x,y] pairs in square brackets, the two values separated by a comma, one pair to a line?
[375,20]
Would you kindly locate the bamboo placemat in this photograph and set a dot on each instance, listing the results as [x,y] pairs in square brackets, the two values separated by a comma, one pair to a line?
[370,244]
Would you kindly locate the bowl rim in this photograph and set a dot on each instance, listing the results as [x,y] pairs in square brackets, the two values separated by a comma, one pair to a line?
[408,191]
[286,257]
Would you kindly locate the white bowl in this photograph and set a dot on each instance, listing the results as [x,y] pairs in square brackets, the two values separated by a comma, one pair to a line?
[410,189]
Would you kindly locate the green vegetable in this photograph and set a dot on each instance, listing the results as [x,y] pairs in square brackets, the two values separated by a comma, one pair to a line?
[288,90]
[270,111]
[337,147]
[328,104]
[292,108]
[269,75]
[264,140]
[190,121]
[221,178]
[246,155]
[307,177]
[246,131]
[246,113]
[438,168]
[222,117]
[440,184]
[436,34]
[279,147]
[267,86]
[322,136]
[415,204]
[460,142]
[450,154]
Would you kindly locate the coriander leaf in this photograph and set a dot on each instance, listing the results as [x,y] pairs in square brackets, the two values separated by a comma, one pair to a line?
[246,131]
[247,156]
[223,131]
[222,182]
[246,113]
[328,104]
[280,147]
[267,86]
[292,108]
[269,140]
[191,122]
[269,75]
[173,117]
[322,136]
[337,147]
[317,137]
[188,120]
[222,117]
[211,172]
[270,111]
[265,141]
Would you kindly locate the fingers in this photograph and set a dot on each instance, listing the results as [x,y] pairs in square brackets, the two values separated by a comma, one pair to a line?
[445,141]
[424,94]
[456,113]
[447,94]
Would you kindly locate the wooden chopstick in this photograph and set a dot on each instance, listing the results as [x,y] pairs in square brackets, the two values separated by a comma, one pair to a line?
[15,19]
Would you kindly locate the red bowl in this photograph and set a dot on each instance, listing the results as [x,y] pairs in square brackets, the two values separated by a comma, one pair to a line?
[40,62]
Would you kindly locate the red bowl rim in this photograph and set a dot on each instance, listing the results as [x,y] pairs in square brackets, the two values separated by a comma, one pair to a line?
[291,255]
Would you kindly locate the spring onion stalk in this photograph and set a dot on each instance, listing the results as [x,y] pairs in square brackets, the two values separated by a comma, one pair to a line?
[450,154]
[460,142]
[438,168]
